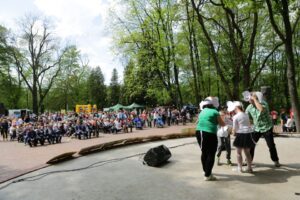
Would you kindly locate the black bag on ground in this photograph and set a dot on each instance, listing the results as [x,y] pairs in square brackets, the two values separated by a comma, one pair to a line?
[157,156]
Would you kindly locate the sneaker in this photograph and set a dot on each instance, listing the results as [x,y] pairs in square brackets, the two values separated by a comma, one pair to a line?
[245,164]
[277,164]
[237,169]
[248,170]
[210,178]
[229,162]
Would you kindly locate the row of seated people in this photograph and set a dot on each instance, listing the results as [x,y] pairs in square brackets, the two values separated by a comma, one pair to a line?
[39,134]
[34,136]
[53,134]
[119,125]
[86,130]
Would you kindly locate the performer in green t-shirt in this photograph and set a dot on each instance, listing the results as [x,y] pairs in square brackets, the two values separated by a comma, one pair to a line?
[258,110]
[206,133]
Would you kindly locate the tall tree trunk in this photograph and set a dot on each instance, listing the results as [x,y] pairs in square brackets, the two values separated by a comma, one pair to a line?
[287,39]
[286,86]
[176,72]
[213,51]
[292,82]
[191,52]
[291,72]
[35,106]
[199,73]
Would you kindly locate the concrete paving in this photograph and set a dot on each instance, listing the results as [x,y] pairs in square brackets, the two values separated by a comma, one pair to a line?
[17,159]
[180,178]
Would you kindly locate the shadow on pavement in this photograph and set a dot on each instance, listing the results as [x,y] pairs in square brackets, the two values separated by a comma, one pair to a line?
[265,174]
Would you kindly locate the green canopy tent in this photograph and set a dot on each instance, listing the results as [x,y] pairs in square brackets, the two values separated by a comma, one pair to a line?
[106,109]
[117,107]
[135,106]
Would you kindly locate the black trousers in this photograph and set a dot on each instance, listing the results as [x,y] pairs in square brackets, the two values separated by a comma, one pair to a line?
[208,143]
[4,133]
[268,135]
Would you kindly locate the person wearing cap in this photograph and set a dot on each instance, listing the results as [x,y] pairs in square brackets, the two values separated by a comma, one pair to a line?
[242,129]
[258,110]
[206,134]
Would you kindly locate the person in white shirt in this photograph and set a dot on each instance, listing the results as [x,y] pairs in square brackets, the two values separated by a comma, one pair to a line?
[117,127]
[13,132]
[242,129]
[290,125]
[224,138]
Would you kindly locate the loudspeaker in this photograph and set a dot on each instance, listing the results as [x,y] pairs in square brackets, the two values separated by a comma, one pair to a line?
[157,156]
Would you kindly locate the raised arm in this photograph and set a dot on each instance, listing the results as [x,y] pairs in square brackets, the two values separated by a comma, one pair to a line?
[257,104]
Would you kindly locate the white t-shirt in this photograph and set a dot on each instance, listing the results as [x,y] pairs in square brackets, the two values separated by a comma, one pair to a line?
[118,125]
[289,123]
[222,131]
[155,116]
[241,123]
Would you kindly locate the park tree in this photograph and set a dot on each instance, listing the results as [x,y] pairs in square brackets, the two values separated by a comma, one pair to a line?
[36,56]
[150,35]
[231,29]
[114,88]
[70,86]
[10,84]
[284,26]
[137,85]
[190,34]
[97,88]
[213,47]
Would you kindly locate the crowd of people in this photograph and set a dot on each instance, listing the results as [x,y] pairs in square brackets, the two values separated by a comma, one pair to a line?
[215,126]
[51,127]
[287,121]
[213,131]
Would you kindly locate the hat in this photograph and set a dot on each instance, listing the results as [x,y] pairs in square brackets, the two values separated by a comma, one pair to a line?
[246,95]
[231,105]
[209,101]
[204,103]
[260,96]
[214,101]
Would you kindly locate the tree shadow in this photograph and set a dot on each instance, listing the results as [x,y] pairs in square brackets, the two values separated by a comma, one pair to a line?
[265,174]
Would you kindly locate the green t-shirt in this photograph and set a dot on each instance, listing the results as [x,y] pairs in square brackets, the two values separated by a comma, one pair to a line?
[208,120]
[261,120]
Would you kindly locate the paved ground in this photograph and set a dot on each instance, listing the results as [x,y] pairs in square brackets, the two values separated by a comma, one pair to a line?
[181,178]
[17,159]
